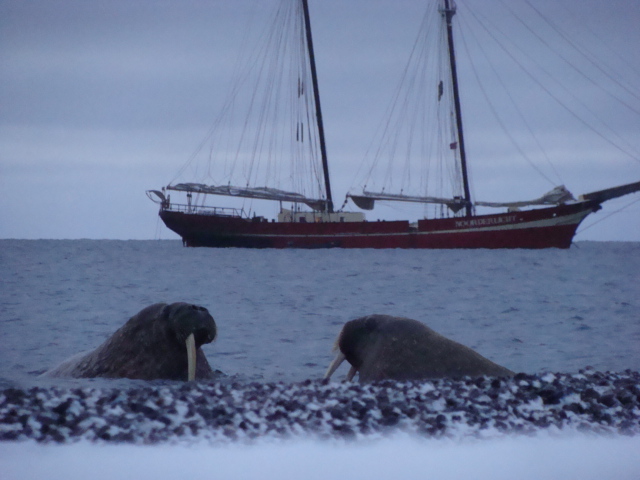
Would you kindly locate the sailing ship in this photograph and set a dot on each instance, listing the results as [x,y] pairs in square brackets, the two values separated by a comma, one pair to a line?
[311,219]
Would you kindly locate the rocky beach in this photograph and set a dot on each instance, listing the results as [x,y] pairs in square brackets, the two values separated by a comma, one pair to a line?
[223,412]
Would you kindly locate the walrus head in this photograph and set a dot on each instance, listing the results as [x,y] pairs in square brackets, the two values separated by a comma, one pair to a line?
[159,342]
[354,340]
[380,347]
[193,326]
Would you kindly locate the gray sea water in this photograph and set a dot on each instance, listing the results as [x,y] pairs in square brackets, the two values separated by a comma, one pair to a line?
[278,311]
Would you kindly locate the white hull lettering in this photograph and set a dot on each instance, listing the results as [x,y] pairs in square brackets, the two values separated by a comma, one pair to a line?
[485,222]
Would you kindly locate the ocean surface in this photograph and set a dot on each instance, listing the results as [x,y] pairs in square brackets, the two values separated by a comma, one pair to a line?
[279,311]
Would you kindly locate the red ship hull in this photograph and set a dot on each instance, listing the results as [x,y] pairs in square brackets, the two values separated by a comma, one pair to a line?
[552,227]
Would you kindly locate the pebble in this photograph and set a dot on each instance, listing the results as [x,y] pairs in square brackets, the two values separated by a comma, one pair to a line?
[224,412]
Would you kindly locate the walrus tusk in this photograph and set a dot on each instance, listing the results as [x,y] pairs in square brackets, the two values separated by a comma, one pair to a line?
[335,364]
[191,357]
[351,374]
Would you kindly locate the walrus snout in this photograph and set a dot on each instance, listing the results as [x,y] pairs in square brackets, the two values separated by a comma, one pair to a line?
[203,336]
[380,347]
[186,319]
[194,326]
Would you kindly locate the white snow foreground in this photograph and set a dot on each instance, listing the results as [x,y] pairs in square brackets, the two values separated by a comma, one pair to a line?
[508,457]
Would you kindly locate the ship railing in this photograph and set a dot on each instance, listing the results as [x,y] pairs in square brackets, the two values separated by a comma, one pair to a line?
[206,210]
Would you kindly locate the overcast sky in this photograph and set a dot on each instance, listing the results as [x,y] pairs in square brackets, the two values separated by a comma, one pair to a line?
[102,100]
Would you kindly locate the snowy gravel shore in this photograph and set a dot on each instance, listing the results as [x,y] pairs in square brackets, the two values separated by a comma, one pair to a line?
[225,412]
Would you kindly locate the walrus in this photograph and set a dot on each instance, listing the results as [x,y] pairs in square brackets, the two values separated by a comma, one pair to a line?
[159,342]
[380,347]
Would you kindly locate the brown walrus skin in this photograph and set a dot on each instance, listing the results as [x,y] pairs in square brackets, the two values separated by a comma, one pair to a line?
[380,347]
[150,346]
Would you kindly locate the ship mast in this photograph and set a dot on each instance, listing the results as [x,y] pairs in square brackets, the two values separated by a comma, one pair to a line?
[448,12]
[316,97]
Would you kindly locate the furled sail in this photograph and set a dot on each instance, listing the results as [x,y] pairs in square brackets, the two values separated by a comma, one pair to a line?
[263,193]
[556,196]
[366,201]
